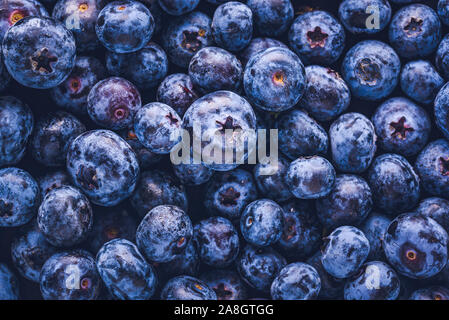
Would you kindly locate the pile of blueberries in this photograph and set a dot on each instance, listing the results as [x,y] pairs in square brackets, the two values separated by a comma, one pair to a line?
[95,92]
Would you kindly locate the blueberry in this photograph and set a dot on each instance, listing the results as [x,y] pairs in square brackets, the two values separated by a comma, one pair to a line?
[65,216]
[124,26]
[441,110]
[70,275]
[420,81]
[443,11]
[317,37]
[402,126]
[145,157]
[72,93]
[187,288]
[300,135]
[19,197]
[53,180]
[5,77]
[431,293]
[52,137]
[79,16]
[344,252]
[270,179]
[327,95]
[331,287]
[227,284]
[213,68]
[258,45]
[42,60]
[186,35]
[156,188]
[271,17]
[310,177]
[145,68]
[217,242]
[228,193]
[415,31]
[353,142]
[296,281]
[374,228]
[125,272]
[8,283]
[442,57]
[103,166]
[274,79]
[349,202]
[432,166]
[394,183]
[185,263]
[164,233]
[177,91]
[232,25]
[259,266]
[356,15]
[302,231]
[416,246]
[113,102]
[376,280]
[261,222]
[16,125]
[435,208]
[192,174]
[371,70]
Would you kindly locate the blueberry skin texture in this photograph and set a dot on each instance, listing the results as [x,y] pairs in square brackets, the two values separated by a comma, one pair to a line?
[145,68]
[415,31]
[331,287]
[145,157]
[156,188]
[416,246]
[420,81]
[19,197]
[187,288]
[103,166]
[262,222]
[431,166]
[164,233]
[374,228]
[65,217]
[317,37]
[192,174]
[186,35]
[310,177]
[302,231]
[349,202]
[227,284]
[158,127]
[442,57]
[353,142]
[354,16]
[258,266]
[345,250]
[124,26]
[79,16]
[59,270]
[270,179]
[232,26]
[394,183]
[178,7]
[217,242]
[441,110]
[258,45]
[435,208]
[228,193]
[113,102]
[53,180]
[16,125]
[72,93]
[125,272]
[185,263]
[296,281]
[8,283]
[371,69]
[431,293]
[39,52]
[213,69]
[274,79]
[375,281]
[327,95]
[443,11]
[401,126]
[29,251]
[177,91]
[271,18]
[52,137]
[209,117]
[300,135]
